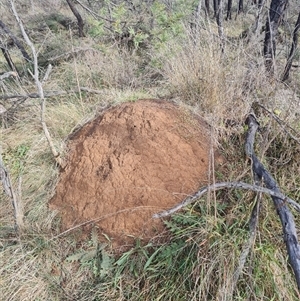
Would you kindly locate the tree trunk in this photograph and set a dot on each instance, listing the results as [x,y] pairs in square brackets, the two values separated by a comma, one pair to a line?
[241,6]
[216,7]
[229,7]
[197,16]
[219,18]
[293,50]
[207,7]
[274,19]
[78,17]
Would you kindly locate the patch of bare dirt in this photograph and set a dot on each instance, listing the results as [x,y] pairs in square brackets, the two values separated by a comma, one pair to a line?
[133,160]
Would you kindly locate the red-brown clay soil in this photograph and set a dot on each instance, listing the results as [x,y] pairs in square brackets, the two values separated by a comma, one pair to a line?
[133,160]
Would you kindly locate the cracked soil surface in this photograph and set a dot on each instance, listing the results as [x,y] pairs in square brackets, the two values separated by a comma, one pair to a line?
[133,160]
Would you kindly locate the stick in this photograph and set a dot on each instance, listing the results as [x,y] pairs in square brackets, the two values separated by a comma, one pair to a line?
[281,123]
[8,74]
[286,218]
[16,41]
[16,203]
[236,185]
[253,222]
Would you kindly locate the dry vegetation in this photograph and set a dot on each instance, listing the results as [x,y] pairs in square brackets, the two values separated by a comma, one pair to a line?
[200,258]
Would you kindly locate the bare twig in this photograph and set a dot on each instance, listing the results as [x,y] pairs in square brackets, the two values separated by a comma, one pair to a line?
[47,73]
[16,203]
[233,185]
[69,54]
[253,222]
[281,123]
[76,73]
[93,13]
[38,85]
[15,40]
[8,74]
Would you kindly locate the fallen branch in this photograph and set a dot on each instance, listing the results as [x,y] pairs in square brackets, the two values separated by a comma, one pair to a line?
[234,185]
[9,60]
[253,222]
[68,55]
[249,243]
[279,199]
[286,218]
[8,74]
[15,41]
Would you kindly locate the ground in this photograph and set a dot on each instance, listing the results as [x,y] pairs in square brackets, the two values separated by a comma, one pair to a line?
[133,160]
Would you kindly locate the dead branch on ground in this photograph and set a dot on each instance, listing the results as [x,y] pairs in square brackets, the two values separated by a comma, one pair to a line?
[261,175]
[15,41]
[286,217]
[233,185]
[8,74]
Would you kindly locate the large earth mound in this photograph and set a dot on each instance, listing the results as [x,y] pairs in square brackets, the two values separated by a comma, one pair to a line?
[133,160]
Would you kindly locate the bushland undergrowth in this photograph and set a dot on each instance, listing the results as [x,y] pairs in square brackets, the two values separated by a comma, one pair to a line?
[146,49]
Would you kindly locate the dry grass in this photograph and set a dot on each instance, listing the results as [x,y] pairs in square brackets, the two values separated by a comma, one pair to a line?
[200,258]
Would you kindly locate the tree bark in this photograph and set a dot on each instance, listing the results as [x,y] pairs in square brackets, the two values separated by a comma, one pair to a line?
[78,17]
[195,23]
[288,65]
[274,18]
[241,6]
[207,7]
[219,19]
[229,7]
[216,7]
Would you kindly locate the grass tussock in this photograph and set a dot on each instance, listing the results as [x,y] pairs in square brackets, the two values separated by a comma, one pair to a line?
[198,256]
